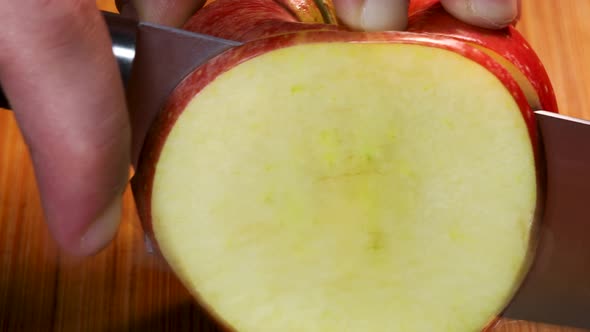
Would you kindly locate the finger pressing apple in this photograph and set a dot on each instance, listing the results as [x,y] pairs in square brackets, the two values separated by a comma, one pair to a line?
[491,14]
[375,15]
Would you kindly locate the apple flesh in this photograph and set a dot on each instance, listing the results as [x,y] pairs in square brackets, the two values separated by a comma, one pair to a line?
[265,18]
[507,46]
[327,180]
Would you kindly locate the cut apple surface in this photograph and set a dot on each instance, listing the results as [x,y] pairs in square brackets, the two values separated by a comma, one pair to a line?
[507,46]
[341,186]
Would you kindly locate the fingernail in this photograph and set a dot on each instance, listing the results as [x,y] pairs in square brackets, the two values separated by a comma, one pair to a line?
[497,13]
[373,15]
[103,229]
[348,12]
[383,15]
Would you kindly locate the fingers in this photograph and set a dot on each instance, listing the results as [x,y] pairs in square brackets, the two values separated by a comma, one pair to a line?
[167,12]
[491,14]
[58,71]
[378,15]
[373,15]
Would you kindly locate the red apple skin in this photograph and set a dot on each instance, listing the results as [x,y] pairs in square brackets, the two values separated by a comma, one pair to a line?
[248,20]
[200,78]
[306,11]
[428,16]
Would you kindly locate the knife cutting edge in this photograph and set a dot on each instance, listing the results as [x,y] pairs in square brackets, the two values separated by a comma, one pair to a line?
[556,290]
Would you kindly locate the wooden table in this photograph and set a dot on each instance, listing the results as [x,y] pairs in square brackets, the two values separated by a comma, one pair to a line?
[126,289]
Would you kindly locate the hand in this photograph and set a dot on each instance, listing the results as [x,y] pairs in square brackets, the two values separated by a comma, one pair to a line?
[377,15]
[57,69]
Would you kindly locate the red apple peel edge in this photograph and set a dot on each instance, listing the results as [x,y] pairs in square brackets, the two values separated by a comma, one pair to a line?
[254,19]
[430,17]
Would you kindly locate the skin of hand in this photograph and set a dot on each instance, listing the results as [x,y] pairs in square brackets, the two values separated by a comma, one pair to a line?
[58,71]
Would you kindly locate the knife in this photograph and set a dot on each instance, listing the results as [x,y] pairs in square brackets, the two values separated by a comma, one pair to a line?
[153,59]
[556,289]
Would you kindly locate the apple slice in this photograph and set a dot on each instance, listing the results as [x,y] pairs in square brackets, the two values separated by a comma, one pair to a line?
[507,46]
[339,181]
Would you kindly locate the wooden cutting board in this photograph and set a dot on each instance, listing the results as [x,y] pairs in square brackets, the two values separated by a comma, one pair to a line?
[126,289]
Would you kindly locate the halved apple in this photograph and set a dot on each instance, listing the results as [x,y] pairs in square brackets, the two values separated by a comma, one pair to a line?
[345,181]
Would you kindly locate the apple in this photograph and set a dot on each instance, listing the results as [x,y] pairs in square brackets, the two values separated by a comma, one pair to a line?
[507,46]
[320,179]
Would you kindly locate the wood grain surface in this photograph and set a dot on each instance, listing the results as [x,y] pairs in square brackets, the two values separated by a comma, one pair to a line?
[126,289]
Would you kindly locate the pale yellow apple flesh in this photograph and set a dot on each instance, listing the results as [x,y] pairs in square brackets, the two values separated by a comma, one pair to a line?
[347,187]
[520,78]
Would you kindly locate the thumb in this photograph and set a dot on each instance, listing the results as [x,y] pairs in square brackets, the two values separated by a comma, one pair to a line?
[491,14]
[59,73]
[373,15]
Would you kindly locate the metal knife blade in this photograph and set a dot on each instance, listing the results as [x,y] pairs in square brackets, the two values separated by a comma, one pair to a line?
[163,57]
[556,290]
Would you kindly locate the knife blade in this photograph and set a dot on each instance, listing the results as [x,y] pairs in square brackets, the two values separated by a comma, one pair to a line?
[556,290]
